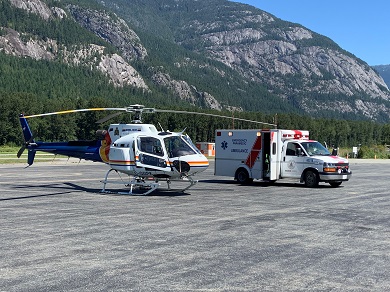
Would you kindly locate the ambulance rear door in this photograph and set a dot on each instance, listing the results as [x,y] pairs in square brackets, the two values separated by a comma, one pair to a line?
[274,156]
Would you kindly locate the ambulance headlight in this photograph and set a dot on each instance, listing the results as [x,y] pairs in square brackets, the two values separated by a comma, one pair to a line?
[330,167]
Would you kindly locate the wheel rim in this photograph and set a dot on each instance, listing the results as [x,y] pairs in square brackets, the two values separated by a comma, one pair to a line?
[242,176]
[311,179]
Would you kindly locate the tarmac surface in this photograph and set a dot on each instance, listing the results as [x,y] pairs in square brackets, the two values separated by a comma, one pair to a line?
[58,233]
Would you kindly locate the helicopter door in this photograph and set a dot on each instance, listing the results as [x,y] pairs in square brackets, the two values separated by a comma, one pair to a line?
[149,153]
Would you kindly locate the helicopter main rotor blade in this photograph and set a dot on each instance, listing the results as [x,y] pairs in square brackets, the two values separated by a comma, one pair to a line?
[217,116]
[105,119]
[138,109]
[75,111]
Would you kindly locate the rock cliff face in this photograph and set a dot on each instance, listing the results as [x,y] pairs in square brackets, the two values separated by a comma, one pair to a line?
[300,67]
[114,31]
[12,44]
[34,6]
[186,92]
[249,41]
[292,62]
[384,72]
[268,59]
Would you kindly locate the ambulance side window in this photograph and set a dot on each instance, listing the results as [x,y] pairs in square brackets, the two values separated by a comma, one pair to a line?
[291,149]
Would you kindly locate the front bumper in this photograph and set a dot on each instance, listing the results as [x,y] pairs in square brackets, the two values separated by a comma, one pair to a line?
[326,176]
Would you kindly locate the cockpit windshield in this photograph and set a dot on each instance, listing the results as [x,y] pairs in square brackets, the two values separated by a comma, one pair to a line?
[315,148]
[179,146]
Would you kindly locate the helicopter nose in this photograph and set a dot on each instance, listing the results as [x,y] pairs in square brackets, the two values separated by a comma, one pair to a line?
[181,166]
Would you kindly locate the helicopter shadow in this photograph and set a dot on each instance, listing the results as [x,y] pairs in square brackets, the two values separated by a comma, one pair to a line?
[125,192]
[62,190]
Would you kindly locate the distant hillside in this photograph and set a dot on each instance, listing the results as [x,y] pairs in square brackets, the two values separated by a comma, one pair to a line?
[384,72]
[212,54]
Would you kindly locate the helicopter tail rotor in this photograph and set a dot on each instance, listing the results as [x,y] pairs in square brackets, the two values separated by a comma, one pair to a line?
[29,140]
[24,146]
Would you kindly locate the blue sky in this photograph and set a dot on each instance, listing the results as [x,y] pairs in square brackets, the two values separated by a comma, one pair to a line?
[360,27]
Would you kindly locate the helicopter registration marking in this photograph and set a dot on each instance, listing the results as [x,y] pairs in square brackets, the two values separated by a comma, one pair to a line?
[142,173]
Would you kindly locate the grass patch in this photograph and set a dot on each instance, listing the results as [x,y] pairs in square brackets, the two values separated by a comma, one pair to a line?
[8,155]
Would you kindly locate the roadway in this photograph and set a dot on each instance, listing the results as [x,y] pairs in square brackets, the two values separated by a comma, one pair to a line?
[58,233]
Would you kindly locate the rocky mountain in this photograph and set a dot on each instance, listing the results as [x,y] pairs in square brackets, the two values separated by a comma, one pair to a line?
[214,54]
[384,72]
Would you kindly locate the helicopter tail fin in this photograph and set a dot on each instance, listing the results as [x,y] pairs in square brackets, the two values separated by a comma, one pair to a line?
[28,140]
[26,129]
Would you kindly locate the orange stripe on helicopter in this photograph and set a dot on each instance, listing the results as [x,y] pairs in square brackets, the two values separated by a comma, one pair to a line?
[122,162]
[198,163]
[192,163]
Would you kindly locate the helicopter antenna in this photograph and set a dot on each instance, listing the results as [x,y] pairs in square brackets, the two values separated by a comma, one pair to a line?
[162,129]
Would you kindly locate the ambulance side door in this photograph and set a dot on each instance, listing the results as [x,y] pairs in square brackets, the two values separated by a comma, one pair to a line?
[291,162]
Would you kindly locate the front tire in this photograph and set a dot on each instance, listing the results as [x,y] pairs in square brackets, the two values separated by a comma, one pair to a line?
[311,179]
[242,176]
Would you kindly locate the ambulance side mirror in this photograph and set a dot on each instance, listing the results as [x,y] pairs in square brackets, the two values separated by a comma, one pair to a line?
[299,152]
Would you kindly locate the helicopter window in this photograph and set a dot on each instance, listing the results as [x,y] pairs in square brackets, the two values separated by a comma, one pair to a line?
[150,145]
[176,146]
[189,141]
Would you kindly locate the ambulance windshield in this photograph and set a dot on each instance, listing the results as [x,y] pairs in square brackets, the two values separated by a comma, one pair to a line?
[315,148]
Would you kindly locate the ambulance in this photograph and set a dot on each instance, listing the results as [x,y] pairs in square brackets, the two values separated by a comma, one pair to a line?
[271,155]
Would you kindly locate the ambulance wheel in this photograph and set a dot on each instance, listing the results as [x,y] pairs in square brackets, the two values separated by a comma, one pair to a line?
[311,179]
[242,176]
[335,184]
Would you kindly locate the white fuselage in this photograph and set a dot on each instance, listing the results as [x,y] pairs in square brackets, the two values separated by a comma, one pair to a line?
[140,150]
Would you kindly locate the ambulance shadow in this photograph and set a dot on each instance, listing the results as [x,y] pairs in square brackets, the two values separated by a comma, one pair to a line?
[291,185]
[264,184]
[218,181]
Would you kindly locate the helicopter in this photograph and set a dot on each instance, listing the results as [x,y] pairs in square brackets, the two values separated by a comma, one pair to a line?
[146,155]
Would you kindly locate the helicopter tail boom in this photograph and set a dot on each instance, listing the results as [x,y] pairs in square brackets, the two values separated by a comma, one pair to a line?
[94,150]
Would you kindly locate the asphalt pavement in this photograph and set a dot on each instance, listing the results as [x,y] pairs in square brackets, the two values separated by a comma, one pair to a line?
[58,233]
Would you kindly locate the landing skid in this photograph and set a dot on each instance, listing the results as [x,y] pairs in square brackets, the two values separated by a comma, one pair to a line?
[190,180]
[141,183]
[134,182]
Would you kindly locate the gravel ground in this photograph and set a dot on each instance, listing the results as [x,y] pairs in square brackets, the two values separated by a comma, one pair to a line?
[58,233]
